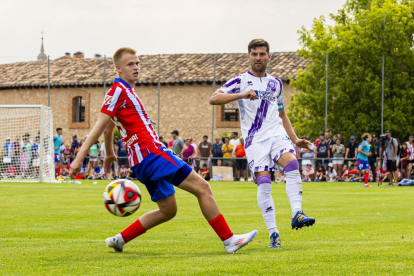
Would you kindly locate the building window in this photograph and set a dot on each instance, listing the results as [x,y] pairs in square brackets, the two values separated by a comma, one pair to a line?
[230,112]
[78,110]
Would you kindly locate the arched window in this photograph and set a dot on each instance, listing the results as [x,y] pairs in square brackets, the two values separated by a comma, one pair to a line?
[78,114]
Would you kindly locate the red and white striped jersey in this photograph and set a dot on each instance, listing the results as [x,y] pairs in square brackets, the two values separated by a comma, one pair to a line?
[132,121]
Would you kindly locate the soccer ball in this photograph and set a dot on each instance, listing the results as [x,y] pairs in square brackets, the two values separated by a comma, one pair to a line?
[122,197]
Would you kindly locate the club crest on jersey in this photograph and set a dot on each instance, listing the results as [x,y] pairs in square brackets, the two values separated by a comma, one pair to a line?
[107,100]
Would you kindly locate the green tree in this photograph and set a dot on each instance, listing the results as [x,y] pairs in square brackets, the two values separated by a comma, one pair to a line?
[362,32]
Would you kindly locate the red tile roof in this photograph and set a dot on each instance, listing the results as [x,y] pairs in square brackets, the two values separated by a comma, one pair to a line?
[175,68]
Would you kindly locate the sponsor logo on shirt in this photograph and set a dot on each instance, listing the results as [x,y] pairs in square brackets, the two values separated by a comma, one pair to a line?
[249,83]
[266,95]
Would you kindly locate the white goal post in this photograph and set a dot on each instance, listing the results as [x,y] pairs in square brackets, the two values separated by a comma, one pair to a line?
[26,140]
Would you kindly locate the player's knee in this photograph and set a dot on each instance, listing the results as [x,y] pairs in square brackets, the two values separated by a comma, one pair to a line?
[170,212]
[204,188]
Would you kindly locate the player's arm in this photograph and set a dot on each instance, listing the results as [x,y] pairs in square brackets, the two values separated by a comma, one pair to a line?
[108,139]
[100,125]
[301,143]
[219,97]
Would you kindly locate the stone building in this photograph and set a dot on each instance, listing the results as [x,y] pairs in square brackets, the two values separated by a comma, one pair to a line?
[77,89]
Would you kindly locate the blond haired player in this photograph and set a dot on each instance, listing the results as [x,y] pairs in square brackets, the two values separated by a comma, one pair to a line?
[154,165]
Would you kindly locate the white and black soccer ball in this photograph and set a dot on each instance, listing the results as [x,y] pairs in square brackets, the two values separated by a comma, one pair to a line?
[122,197]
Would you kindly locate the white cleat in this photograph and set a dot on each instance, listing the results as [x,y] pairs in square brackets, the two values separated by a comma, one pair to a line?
[238,241]
[115,243]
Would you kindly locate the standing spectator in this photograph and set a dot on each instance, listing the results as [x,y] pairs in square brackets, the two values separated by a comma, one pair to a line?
[205,172]
[178,144]
[188,152]
[339,136]
[36,156]
[74,145]
[217,153]
[411,159]
[7,151]
[306,154]
[351,150]
[338,154]
[376,145]
[27,135]
[241,164]
[364,152]
[204,152]
[318,140]
[329,141]
[121,150]
[162,141]
[235,141]
[398,153]
[391,149]
[322,151]
[93,156]
[331,174]
[57,142]
[28,146]
[227,150]
[24,162]
[372,159]
[404,158]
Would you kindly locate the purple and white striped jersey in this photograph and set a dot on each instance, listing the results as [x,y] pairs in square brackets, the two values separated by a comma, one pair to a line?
[259,118]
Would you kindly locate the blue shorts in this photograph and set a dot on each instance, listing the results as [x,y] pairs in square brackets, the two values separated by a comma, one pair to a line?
[362,165]
[161,172]
[57,157]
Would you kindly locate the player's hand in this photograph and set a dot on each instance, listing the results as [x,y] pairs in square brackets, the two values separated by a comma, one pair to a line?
[108,161]
[302,143]
[75,167]
[250,94]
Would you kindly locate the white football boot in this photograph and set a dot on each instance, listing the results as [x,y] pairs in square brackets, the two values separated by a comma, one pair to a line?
[238,241]
[116,243]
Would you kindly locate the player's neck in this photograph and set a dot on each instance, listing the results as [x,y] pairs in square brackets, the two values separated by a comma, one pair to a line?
[258,74]
[131,83]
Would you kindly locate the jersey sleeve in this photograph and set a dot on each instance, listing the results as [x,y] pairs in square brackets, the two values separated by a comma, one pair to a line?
[280,105]
[232,86]
[114,99]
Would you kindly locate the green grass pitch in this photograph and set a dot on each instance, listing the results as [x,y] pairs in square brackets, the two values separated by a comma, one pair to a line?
[59,229]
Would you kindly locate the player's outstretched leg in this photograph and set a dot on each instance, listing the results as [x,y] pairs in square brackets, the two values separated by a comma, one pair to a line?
[267,207]
[294,193]
[201,189]
[167,210]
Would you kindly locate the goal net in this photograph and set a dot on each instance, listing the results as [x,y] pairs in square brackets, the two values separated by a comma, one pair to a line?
[26,140]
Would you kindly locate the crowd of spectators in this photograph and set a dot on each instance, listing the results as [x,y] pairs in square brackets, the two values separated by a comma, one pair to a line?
[327,160]
[334,160]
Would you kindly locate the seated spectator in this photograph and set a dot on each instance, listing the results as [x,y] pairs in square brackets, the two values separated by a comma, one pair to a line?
[64,172]
[205,172]
[320,174]
[350,175]
[219,162]
[123,172]
[99,172]
[331,175]
[10,172]
[378,173]
[338,152]
[308,173]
